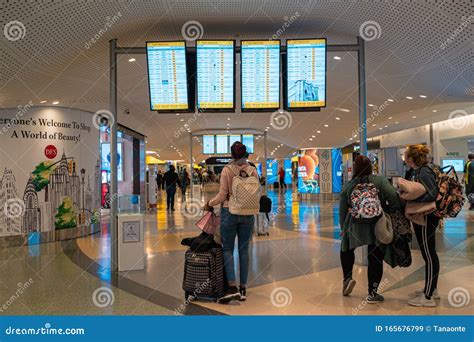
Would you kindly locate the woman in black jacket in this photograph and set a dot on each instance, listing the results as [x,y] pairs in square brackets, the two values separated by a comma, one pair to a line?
[417,157]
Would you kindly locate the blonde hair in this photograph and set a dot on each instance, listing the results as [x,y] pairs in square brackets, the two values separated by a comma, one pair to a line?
[418,153]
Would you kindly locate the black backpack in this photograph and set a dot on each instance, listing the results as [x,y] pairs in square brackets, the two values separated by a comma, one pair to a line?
[265,205]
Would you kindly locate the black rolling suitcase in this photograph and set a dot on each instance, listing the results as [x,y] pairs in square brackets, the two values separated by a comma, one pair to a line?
[203,274]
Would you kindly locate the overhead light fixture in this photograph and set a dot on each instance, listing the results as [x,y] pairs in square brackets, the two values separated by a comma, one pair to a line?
[423,96]
[181,120]
[370,105]
[435,110]
[132,60]
[56,102]
[177,114]
[310,139]
[386,126]
[373,125]
[414,117]
[228,119]
[337,58]
[380,128]
[390,117]
[343,110]
[409,98]
[389,100]
[319,132]
[326,125]
[44,101]
[313,136]
[338,118]
[396,122]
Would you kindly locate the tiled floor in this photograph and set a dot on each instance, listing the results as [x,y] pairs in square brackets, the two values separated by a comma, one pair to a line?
[295,270]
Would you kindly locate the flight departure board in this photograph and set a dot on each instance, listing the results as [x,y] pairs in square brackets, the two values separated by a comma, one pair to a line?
[260,74]
[306,73]
[167,76]
[215,74]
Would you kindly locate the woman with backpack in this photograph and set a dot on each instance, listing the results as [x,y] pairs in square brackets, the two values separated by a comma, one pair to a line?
[362,202]
[239,195]
[417,157]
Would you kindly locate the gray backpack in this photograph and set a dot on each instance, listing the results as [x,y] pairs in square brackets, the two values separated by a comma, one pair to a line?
[245,192]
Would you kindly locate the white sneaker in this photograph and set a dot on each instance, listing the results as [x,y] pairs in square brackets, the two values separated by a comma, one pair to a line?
[421,301]
[420,292]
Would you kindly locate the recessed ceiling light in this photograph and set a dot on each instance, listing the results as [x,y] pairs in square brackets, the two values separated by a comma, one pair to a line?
[351,138]
[132,60]
[318,132]
[380,128]
[44,101]
[390,117]
[338,118]
[396,122]
[423,96]
[343,110]
[177,114]
[414,116]
[181,120]
[409,98]
[228,119]
[385,126]
[337,57]
[310,139]
[435,110]
[373,125]
[227,124]
[56,102]
[370,105]
[326,125]
[389,100]
[313,136]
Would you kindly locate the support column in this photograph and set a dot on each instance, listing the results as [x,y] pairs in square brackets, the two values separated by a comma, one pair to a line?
[113,158]
[264,166]
[362,97]
[191,166]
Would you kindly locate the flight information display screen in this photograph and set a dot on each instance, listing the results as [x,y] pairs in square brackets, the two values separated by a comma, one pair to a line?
[222,144]
[260,74]
[233,138]
[247,140]
[208,144]
[215,74]
[306,73]
[167,75]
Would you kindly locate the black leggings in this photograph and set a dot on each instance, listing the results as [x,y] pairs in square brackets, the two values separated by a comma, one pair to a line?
[374,271]
[426,237]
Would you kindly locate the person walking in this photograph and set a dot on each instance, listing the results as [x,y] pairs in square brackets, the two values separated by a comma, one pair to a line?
[159,180]
[469,180]
[357,231]
[237,225]
[184,184]
[170,180]
[281,178]
[417,157]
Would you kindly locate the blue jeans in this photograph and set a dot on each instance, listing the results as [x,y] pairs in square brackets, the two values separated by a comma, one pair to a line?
[239,226]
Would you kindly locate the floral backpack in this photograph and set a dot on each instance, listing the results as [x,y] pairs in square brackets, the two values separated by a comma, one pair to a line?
[366,206]
[450,199]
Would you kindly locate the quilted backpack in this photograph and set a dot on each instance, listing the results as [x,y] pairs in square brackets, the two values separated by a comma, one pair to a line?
[244,198]
[450,199]
[366,206]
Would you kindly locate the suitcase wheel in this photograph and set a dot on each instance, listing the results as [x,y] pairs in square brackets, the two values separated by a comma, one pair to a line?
[188,296]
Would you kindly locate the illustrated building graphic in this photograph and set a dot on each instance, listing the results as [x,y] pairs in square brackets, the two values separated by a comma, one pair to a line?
[9,224]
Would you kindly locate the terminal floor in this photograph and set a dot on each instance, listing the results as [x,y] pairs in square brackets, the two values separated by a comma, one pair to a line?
[294,271]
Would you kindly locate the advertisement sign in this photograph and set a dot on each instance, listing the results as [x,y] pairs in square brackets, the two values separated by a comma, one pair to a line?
[49,164]
[320,171]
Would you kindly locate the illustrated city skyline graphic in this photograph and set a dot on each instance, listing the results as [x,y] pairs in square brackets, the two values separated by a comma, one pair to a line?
[55,197]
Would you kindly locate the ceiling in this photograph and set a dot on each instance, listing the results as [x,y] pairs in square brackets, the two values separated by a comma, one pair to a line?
[424,48]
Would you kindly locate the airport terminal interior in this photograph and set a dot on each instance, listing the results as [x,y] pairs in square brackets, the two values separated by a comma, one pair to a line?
[99,100]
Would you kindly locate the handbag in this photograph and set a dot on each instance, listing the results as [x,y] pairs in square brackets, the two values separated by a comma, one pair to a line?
[209,223]
[384,229]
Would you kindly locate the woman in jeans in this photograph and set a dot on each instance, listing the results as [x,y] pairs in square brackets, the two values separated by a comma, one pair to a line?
[417,157]
[233,226]
[355,234]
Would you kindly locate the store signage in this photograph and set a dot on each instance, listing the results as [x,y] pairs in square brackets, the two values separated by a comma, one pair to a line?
[50,151]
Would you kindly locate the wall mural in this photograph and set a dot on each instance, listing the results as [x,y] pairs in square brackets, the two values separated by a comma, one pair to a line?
[50,178]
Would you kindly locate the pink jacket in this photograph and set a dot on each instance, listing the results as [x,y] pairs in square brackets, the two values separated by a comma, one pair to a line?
[226,184]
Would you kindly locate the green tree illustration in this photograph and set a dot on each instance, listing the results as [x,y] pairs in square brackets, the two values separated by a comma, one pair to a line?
[41,175]
[65,217]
